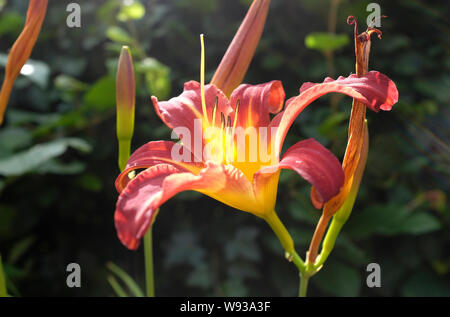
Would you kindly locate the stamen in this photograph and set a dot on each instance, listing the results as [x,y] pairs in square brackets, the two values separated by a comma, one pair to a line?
[222,120]
[222,126]
[216,104]
[236,110]
[202,78]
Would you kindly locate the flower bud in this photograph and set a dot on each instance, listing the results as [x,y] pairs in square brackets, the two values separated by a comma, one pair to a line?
[21,50]
[125,104]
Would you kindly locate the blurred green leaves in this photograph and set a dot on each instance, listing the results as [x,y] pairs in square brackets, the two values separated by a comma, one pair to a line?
[101,95]
[125,278]
[391,219]
[131,10]
[11,23]
[157,77]
[326,42]
[339,279]
[119,35]
[28,160]
[37,72]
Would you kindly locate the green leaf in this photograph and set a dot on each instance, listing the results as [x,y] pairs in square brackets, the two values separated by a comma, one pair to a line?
[19,248]
[26,161]
[424,283]
[157,77]
[326,41]
[419,223]
[54,166]
[69,83]
[390,220]
[12,138]
[102,95]
[339,279]
[90,182]
[328,127]
[119,35]
[126,279]
[116,286]
[11,22]
[200,277]
[37,72]
[133,11]
[18,117]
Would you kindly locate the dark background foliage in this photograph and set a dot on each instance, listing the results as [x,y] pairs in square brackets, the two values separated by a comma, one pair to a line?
[58,151]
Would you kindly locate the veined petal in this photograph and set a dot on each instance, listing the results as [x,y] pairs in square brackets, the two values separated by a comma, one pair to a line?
[153,153]
[256,102]
[144,194]
[21,50]
[313,162]
[379,91]
[239,54]
[374,90]
[181,112]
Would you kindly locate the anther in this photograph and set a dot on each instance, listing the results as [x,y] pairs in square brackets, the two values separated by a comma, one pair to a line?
[222,120]
[216,104]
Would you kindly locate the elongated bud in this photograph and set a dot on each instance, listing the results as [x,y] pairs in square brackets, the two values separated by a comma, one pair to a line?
[21,49]
[357,125]
[125,104]
[239,54]
[344,211]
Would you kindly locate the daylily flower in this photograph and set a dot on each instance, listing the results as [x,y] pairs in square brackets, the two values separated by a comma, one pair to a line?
[248,185]
[21,50]
[356,152]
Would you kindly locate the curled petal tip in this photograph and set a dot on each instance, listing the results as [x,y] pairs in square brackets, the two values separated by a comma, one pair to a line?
[351,20]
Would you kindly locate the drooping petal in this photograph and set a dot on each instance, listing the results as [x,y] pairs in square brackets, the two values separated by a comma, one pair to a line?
[310,160]
[125,104]
[138,202]
[21,50]
[236,60]
[374,90]
[185,112]
[256,102]
[143,195]
[154,153]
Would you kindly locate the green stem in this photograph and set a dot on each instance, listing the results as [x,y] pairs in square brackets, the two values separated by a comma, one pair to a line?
[288,246]
[329,241]
[148,253]
[124,152]
[302,290]
[285,239]
[3,292]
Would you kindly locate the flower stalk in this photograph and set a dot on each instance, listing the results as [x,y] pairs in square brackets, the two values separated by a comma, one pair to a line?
[3,291]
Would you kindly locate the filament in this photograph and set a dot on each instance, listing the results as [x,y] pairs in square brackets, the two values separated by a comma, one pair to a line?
[202,78]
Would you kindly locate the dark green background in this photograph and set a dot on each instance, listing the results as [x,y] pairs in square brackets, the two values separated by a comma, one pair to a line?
[57,206]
